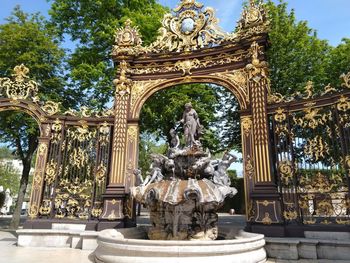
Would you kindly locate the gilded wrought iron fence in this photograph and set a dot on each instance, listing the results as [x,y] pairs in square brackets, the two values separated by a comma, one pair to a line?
[310,139]
[76,171]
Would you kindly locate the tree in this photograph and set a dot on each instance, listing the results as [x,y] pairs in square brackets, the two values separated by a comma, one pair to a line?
[339,62]
[27,39]
[9,177]
[91,25]
[6,153]
[295,55]
[158,118]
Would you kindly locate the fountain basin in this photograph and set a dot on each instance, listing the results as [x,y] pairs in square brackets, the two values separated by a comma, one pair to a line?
[131,246]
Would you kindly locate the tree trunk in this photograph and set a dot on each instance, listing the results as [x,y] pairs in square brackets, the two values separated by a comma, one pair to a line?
[15,221]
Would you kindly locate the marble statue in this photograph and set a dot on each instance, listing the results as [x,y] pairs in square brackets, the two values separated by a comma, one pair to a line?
[184,189]
[192,127]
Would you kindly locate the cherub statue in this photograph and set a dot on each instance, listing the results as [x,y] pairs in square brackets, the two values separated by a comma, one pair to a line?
[138,177]
[155,174]
[220,175]
[175,141]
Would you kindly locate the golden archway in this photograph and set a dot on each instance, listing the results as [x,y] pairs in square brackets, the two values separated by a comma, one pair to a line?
[200,54]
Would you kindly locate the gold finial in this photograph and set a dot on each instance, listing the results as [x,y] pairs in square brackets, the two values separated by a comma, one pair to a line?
[20,73]
[128,23]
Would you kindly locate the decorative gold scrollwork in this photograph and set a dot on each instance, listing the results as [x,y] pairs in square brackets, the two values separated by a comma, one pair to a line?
[313,118]
[81,133]
[343,104]
[56,131]
[127,40]
[347,161]
[247,125]
[316,148]
[104,135]
[73,199]
[346,80]
[51,108]
[101,173]
[97,209]
[257,69]
[128,207]
[79,158]
[188,29]
[45,208]
[132,133]
[290,215]
[50,172]
[123,84]
[286,171]
[187,65]
[267,219]
[290,212]
[42,148]
[249,168]
[280,115]
[33,211]
[20,88]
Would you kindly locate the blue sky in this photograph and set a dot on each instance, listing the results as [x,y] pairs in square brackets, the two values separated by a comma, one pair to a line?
[329,17]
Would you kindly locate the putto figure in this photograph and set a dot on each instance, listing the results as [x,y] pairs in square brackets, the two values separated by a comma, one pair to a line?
[192,126]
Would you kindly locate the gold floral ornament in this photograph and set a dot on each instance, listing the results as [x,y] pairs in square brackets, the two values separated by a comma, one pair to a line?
[122,84]
[189,28]
[21,87]
[127,40]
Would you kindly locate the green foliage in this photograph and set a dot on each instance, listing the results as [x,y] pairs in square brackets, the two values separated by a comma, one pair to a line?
[29,40]
[238,201]
[339,62]
[147,147]
[26,39]
[164,108]
[92,24]
[296,55]
[9,177]
[6,153]
[20,131]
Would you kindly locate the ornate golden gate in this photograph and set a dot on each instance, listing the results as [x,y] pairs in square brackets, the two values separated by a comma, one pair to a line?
[86,159]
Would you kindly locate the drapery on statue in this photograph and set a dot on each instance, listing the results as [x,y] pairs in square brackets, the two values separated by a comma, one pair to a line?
[192,127]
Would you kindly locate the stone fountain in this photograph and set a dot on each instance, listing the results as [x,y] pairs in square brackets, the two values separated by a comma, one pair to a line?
[183,191]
